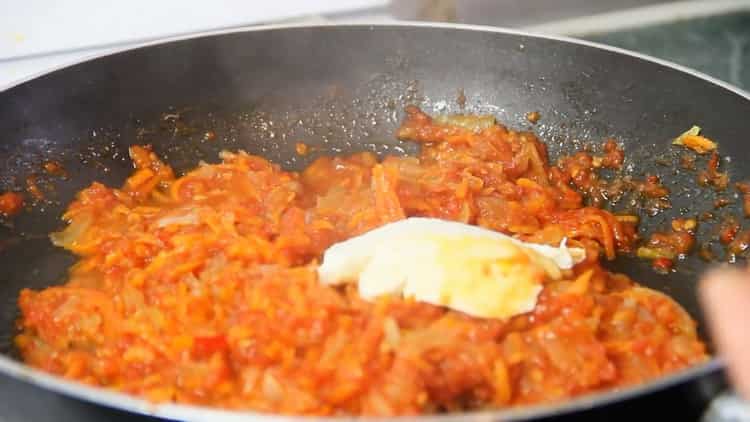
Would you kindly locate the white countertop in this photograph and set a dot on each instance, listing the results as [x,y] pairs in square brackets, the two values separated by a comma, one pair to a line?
[39,35]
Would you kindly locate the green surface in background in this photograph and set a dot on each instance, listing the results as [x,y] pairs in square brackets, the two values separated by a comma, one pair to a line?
[716,45]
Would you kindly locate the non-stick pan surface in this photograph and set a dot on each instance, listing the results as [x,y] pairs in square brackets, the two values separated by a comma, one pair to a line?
[342,89]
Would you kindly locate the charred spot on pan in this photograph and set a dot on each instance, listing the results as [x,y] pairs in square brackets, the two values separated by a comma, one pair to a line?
[175,124]
[744,190]
[706,252]
[55,168]
[734,238]
[711,176]
[687,162]
[727,229]
[461,99]
[663,161]
[533,117]
[209,136]
[33,188]
[301,148]
[739,246]
[663,265]
[722,202]
[706,216]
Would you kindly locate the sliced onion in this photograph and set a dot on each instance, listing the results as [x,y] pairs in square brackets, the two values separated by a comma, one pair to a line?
[71,234]
[392,332]
[189,219]
[271,387]
[470,122]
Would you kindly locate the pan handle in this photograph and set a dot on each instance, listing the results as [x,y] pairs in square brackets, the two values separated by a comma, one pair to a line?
[727,407]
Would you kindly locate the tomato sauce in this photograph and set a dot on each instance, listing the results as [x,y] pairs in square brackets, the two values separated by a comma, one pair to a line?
[202,288]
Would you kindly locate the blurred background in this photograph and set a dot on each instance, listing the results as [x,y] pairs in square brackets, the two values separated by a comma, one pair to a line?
[712,36]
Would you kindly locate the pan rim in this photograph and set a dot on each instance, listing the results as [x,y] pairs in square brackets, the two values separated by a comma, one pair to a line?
[416,24]
[185,412]
[122,401]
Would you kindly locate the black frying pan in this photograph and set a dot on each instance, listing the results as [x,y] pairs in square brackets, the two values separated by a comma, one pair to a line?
[343,89]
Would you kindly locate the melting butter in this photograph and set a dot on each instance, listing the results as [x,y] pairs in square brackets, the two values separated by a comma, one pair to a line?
[477,271]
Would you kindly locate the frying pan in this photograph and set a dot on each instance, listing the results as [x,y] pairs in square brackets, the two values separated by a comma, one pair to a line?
[342,89]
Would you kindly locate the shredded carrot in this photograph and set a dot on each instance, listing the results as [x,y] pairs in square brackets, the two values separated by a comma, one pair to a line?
[608,238]
[581,284]
[203,289]
[386,200]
